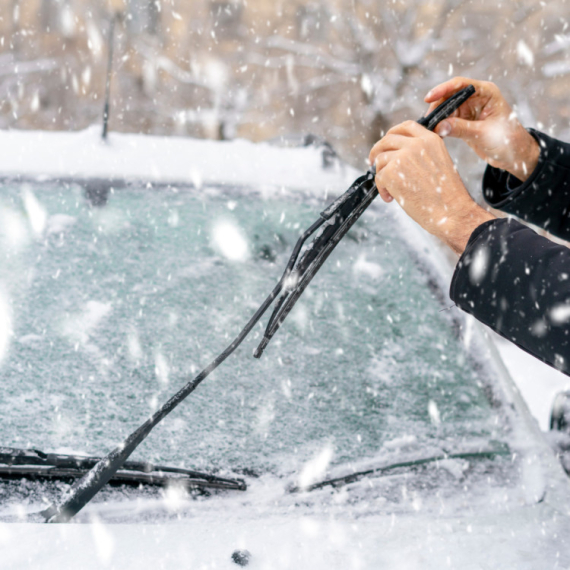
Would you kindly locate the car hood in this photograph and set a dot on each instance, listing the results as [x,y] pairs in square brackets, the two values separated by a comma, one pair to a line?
[525,538]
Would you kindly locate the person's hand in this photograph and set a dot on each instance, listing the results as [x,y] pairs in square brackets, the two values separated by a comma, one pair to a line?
[488,125]
[414,168]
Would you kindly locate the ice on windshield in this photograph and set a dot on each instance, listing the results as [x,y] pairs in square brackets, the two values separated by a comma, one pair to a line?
[113,308]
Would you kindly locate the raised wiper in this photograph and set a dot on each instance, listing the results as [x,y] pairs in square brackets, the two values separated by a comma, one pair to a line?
[34,464]
[336,220]
[378,471]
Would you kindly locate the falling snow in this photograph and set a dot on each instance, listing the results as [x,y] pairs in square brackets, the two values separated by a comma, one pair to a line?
[129,263]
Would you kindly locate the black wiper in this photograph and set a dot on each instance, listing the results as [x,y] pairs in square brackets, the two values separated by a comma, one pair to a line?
[37,465]
[335,220]
[378,471]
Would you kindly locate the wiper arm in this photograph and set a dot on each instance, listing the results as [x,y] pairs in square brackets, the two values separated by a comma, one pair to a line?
[378,471]
[336,220]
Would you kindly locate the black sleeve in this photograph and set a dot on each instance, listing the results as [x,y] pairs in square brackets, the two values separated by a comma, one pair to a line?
[544,198]
[518,283]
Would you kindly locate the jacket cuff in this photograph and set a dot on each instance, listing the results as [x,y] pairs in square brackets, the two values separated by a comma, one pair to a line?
[544,198]
[500,188]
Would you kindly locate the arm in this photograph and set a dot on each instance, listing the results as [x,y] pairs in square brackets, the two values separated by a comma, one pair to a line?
[528,173]
[508,277]
[518,283]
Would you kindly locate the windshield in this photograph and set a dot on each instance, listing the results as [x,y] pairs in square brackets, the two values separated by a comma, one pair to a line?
[113,307]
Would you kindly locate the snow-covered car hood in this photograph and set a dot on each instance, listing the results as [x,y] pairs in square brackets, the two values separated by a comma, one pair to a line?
[152,159]
[527,540]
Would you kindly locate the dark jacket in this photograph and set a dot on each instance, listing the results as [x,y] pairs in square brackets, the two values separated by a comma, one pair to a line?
[509,277]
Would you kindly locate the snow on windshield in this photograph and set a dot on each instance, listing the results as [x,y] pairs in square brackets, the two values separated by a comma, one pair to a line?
[112,308]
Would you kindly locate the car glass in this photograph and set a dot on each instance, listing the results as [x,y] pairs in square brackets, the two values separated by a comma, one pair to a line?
[113,306]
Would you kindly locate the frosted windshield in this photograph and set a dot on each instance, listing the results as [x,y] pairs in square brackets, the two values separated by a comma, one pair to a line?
[114,307]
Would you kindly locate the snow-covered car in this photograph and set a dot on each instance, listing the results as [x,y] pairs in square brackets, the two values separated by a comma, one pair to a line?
[379,429]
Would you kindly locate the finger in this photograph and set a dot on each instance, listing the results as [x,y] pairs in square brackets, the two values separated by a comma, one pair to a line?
[382,159]
[382,180]
[408,129]
[384,194]
[448,88]
[443,129]
[460,129]
[390,142]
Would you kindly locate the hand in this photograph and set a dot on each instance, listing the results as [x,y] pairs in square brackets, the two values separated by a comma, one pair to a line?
[414,167]
[488,125]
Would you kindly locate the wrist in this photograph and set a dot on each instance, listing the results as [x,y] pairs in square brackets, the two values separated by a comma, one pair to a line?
[527,152]
[457,234]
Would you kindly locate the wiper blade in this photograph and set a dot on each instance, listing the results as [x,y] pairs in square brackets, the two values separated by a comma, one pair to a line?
[339,218]
[34,464]
[448,107]
[336,221]
[378,471]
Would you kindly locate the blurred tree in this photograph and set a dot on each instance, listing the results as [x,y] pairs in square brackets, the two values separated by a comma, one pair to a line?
[345,70]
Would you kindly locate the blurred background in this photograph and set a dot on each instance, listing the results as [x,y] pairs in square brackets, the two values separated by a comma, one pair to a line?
[344,70]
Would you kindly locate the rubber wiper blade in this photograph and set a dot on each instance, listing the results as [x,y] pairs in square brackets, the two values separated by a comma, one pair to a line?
[337,222]
[416,462]
[448,107]
[34,464]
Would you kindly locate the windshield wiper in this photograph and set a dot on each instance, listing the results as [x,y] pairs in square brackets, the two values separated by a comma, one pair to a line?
[335,220]
[37,465]
[377,471]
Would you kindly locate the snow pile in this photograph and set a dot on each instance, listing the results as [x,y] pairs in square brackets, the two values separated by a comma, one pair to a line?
[177,160]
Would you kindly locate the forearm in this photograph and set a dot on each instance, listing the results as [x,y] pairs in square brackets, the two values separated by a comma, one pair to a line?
[526,152]
[457,231]
[518,283]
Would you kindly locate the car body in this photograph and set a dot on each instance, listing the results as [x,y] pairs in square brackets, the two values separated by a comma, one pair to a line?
[116,298]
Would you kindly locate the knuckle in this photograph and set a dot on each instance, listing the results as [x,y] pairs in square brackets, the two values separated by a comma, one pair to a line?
[423,141]
[389,170]
[376,150]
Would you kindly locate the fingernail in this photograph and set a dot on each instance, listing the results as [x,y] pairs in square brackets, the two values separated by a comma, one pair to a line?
[428,95]
[444,129]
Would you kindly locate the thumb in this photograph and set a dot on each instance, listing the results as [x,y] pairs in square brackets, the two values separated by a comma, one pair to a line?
[459,128]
